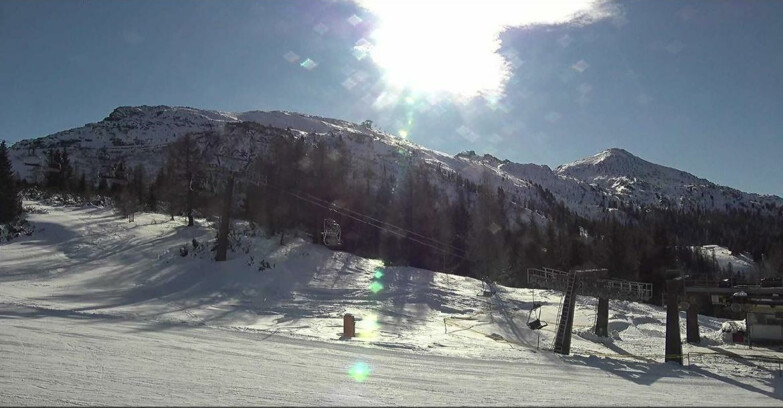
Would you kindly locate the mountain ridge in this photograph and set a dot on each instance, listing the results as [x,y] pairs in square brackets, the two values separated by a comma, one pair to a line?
[591,186]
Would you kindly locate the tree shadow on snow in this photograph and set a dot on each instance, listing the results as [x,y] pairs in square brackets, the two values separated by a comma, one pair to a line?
[11,312]
[644,373]
[411,294]
[186,285]
[520,333]
[47,235]
[774,381]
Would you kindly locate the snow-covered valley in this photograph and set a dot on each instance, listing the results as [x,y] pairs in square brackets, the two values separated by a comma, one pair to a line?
[99,310]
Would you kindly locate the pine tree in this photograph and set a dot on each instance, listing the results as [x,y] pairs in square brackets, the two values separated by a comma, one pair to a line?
[460,218]
[66,178]
[487,249]
[53,171]
[83,189]
[10,204]
[103,186]
[58,171]
[184,166]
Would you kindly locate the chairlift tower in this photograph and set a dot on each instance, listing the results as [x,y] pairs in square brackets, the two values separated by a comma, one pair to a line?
[673,342]
[586,282]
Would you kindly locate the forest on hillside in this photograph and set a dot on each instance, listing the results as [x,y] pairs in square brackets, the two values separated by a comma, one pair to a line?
[417,215]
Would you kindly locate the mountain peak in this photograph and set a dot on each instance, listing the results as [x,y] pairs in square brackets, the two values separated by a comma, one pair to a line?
[122,112]
[613,152]
[487,158]
[603,158]
[616,151]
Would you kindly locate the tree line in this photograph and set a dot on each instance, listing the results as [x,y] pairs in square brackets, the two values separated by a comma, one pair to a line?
[408,213]
[10,201]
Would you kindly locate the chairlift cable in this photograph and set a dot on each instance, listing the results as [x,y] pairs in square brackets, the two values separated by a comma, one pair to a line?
[329,206]
[389,225]
[433,240]
[378,226]
[401,232]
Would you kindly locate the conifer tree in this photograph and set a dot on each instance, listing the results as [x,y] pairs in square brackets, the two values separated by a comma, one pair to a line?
[487,250]
[10,204]
[184,166]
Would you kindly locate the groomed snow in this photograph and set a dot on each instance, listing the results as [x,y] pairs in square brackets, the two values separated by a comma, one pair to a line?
[98,310]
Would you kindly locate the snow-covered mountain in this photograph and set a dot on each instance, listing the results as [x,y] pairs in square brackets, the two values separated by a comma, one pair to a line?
[636,181]
[139,135]
[590,187]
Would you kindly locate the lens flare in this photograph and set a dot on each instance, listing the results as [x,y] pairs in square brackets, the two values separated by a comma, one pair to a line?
[368,327]
[376,287]
[359,371]
[308,64]
[378,273]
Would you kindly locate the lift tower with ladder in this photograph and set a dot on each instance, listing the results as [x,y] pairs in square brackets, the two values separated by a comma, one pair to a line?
[586,282]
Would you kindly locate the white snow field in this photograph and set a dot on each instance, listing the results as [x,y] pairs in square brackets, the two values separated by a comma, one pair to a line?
[96,310]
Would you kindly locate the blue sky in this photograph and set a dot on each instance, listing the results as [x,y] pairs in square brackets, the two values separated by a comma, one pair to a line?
[694,85]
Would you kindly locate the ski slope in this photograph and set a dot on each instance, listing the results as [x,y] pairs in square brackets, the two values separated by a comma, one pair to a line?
[99,310]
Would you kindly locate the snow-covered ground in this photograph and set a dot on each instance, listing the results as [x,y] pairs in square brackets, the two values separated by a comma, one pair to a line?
[99,310]
[742,263]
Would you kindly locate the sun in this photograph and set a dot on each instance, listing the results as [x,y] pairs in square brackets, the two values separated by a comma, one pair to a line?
[451,46]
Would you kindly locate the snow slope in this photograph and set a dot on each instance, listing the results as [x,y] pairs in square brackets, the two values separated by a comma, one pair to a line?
[115,314]
[740,263]
[61,358]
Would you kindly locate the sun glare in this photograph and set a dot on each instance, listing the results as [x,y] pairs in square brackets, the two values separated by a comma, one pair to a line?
[451,46]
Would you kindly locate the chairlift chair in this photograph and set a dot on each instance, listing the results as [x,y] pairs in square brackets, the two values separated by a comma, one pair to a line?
[198,183]
[331,234]
[486,288]
[535,323]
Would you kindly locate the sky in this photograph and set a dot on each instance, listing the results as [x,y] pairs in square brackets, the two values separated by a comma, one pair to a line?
[693,85]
